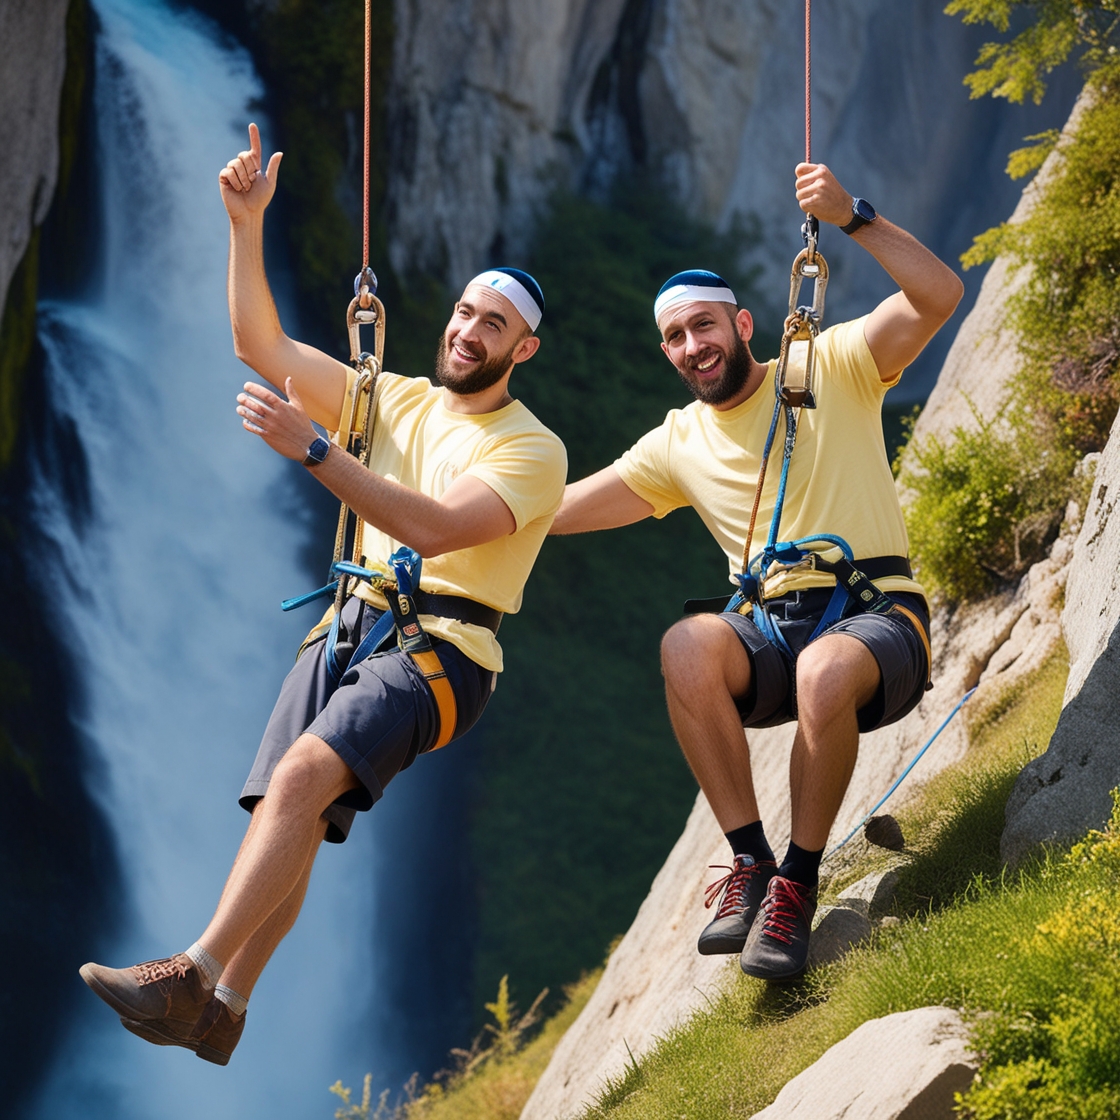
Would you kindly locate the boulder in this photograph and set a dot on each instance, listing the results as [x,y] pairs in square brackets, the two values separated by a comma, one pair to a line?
[1066,791]
[838,929]
[906,1066]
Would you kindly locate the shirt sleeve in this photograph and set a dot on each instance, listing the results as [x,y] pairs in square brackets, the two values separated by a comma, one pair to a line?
[527,471]
[645,469]
[848,363]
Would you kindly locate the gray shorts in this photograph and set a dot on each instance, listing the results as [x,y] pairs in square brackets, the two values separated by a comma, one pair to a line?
[378,718]
[892,639]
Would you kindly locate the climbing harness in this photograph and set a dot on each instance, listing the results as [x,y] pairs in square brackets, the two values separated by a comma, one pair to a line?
[401,591]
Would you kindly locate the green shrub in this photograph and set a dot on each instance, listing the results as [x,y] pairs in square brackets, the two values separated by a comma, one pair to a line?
[985,504]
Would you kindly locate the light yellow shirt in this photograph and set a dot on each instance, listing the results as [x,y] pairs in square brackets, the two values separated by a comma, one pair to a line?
[839,480]
[422,445]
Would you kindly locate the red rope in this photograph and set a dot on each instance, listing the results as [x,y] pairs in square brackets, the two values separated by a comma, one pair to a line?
[808,88]
[365,180]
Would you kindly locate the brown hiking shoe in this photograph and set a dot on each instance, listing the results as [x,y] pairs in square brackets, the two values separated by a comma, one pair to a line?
[213,1037]
[170,990]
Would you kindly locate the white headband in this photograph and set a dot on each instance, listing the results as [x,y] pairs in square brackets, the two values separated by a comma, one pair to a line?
[515,292]
[685,293]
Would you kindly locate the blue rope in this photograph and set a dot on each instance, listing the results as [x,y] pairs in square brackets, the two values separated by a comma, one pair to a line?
[898,781]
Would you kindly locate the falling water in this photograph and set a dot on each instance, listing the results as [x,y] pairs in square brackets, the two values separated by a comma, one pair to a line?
[168,593]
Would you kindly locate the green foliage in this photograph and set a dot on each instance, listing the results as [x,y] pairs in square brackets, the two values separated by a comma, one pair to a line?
[1066,313]
[1017,69]
[986,503]
[582,789]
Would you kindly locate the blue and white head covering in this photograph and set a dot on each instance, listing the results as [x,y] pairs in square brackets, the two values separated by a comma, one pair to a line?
[519,288]
[697,284]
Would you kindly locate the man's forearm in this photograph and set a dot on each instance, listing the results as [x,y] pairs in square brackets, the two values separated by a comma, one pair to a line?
[932,288]
[252,311]
[469,514]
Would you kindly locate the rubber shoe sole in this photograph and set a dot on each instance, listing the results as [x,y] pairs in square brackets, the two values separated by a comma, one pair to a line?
[213,1038]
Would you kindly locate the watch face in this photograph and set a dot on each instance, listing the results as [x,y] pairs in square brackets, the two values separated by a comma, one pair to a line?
[317,452]
[861,208]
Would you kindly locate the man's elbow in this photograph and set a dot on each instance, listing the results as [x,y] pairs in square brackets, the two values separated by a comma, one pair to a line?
[948,297]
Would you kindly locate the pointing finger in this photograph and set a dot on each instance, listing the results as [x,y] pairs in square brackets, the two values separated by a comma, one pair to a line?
[255,143]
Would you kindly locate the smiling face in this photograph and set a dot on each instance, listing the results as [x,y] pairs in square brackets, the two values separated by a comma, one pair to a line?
[707,342]
[483,341]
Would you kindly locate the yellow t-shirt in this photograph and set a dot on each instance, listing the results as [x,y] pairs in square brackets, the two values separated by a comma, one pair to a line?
[420,444]
[839,478]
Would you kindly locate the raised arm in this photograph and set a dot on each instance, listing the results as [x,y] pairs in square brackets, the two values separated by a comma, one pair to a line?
[899,328]
[258,338]
[599,501]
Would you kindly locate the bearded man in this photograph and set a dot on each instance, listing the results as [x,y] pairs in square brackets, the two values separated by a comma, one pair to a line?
[461,473]
[784,657]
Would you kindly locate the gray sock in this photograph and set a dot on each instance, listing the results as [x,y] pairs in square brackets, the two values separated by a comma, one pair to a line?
[231,999]
[209,968]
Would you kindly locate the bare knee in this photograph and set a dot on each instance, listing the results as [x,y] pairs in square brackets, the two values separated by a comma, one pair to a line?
[309,777]
[703,652]
[836,676]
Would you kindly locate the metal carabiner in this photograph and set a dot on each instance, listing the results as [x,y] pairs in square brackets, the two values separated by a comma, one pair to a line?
[794,379]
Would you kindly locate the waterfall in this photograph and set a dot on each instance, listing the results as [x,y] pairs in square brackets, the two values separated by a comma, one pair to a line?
[168,592]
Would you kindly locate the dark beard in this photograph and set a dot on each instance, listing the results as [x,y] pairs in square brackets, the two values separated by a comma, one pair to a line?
[489,373]
[737,368]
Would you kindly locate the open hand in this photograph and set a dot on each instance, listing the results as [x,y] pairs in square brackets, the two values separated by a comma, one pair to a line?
[246,187]
[819,193]
[282,424]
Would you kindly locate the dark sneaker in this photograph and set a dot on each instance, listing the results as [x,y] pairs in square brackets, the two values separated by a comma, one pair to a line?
[743,889]
[778,944]
[213,1037]
[170,990]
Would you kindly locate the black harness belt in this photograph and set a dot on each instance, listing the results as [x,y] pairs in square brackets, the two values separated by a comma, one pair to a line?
[458,607]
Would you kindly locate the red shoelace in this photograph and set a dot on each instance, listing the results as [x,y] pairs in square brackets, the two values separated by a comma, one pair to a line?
[733,885]
[783,905]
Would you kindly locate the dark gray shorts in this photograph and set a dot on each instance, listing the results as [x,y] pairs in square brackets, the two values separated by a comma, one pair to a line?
[378,718]
[892,640]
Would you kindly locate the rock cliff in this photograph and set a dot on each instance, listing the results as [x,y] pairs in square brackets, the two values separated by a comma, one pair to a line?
[33,39]
[493,106]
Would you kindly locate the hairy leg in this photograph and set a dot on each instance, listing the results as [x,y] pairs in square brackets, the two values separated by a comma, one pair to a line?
[705,667]
[279,845]
[244,970]
[836,676]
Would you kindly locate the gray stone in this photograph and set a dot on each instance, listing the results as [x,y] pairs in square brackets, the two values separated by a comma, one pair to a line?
[906,1066]
[32,63]
[874,892]
[838,929]
[1065,792]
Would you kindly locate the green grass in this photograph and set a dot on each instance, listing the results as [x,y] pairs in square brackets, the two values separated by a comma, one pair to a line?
[1021,955]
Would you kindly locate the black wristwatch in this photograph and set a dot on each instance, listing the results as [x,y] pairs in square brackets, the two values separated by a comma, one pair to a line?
[317,452]
[863,213]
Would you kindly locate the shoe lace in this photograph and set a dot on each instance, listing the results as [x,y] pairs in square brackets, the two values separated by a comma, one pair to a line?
[152,971]
[782,908]
[733,885]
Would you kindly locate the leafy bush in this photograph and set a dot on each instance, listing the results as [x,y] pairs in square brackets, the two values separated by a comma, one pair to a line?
[986,504]
[1057,1052]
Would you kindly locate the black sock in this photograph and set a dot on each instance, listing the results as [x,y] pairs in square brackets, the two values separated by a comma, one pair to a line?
[801,866]
[750,840]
